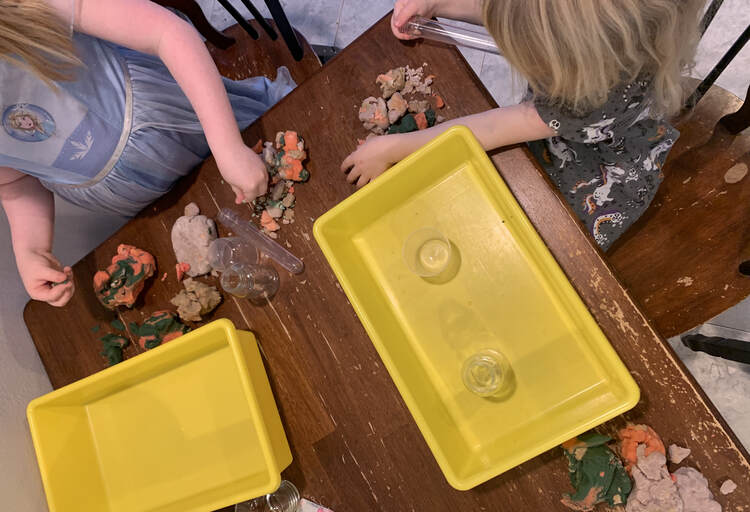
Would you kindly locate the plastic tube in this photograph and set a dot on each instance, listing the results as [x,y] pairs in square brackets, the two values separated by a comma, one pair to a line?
[246,230]
[443,32]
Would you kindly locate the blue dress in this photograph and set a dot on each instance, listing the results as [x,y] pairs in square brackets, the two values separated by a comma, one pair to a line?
[121,133]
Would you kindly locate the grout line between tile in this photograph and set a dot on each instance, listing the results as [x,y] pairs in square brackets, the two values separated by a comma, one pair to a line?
[338,23]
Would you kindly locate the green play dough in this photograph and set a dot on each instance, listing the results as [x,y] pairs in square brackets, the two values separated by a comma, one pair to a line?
[112,345]
[117,324]
[408,124]
[595,472]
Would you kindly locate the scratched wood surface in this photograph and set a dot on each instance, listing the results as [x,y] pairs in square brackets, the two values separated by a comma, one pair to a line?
[681,259]
[354,443]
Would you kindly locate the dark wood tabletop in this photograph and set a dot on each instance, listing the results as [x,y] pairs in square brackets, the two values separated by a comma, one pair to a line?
[355,445]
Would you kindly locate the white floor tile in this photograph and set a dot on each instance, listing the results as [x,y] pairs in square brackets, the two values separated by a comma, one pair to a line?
[497,76]
[726,383]
[357,16]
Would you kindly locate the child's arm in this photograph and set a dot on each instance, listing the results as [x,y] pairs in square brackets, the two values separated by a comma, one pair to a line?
[30,209]
[149,28]
[493,128]
[464,10]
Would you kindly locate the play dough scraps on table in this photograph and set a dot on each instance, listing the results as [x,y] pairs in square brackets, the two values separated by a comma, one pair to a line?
[123,280]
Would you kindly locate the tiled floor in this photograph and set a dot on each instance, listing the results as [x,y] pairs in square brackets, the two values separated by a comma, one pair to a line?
[325,22]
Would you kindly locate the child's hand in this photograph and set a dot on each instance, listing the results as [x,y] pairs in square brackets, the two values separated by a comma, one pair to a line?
[369,161]
[245,172]
[45,278]
[405,9]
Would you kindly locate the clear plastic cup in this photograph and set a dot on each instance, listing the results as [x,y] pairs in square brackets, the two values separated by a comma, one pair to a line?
[258,283]
[225,252]
[285,499]
[427,252]
[486,373]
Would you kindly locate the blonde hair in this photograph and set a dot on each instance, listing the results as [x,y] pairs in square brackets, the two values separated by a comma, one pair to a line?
[32,36]
[573,52]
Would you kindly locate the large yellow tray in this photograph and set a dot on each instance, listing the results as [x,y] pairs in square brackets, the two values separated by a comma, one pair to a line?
[188,426]
[509,294]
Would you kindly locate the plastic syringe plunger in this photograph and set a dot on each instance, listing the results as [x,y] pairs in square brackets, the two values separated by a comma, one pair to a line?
[449,33]
[248,231]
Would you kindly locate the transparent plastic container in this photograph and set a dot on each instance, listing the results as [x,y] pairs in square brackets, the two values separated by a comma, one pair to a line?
[446,32]
[486,373]
[285,499]
[225,252]
[249,232]
[257,283]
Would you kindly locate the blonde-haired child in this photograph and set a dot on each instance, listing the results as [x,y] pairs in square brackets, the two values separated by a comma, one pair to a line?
[602,76]
[107,103]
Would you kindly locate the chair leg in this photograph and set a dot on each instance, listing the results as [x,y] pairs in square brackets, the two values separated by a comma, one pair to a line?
[707,82]
[740,120]
[260,19]
[734,350]
[242,22]
[193,11]
[287,32]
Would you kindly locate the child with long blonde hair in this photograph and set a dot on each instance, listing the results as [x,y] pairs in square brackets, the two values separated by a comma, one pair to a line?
[107,103]
[603,76]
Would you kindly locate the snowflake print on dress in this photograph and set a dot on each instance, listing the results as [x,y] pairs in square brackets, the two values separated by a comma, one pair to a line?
[598,132]
[82,147]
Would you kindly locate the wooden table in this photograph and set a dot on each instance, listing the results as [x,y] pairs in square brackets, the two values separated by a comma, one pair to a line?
[355,445]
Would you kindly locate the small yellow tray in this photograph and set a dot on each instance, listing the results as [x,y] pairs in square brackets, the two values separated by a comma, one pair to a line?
[509,295]
[188,426]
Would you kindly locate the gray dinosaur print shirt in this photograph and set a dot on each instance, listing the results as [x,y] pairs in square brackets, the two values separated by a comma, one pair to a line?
[606,163]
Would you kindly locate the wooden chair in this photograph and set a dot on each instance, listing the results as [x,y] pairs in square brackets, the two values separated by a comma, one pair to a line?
[687,259]
[252,48]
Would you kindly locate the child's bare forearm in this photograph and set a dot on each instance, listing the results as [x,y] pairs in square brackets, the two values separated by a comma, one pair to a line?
[149,28]
[186,57]
[464,10]
[30,209]
[494,128]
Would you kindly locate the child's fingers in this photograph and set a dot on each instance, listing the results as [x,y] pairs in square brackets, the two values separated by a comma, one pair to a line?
[63,299]
[348,163]
[239,196]
[52,275]
[353,175]
[362,181]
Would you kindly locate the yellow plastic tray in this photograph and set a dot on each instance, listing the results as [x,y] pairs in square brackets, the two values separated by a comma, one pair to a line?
[188,426]
[509,294]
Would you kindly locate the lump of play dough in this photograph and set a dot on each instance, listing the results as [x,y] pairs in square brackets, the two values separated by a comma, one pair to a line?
[595,472]
[112,345]
[396,107]
[693,489]
[677,453]
[418,106]
[728,487]
[191,236]
[413,122]
[653,487]
[374,114]
[392,81]
[160,327]
[196,300]
[123,280]
[634,435]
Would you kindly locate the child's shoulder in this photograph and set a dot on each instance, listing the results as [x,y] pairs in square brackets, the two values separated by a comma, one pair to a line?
[626,104]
